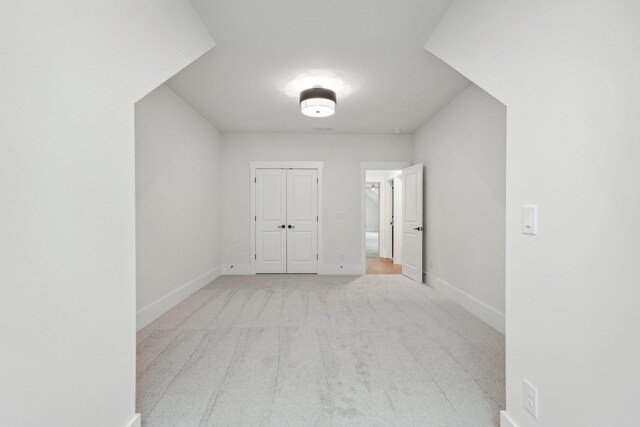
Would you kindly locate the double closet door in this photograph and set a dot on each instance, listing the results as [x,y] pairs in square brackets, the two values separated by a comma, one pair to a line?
[286,221]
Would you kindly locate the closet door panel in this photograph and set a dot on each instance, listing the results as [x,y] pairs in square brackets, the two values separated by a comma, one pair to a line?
[302,221]
[271,220]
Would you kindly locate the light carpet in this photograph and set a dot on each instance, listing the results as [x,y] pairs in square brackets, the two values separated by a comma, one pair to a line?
[306,350]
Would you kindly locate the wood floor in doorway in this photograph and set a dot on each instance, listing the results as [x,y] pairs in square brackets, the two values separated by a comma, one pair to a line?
[378,265]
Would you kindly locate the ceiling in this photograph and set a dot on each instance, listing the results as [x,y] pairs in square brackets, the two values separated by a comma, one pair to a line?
[369,51]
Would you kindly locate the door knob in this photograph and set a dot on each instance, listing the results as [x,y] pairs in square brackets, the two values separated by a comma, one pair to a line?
[280,226]
[418,228]
[292,226]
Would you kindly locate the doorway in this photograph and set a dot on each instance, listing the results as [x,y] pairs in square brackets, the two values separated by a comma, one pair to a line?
[383,238]
[372,191]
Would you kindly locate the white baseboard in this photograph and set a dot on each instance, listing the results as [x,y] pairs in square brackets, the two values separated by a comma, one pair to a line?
[327,269]
[136,421]
[489,315]
[238,269]
[337,269]
[506,421]
[148,314]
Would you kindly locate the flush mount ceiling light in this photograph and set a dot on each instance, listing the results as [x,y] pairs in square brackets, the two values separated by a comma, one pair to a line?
[318,102]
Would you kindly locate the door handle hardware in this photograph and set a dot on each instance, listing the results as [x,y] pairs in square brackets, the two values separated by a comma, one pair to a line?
[291,226]
[280,226]
[419,228]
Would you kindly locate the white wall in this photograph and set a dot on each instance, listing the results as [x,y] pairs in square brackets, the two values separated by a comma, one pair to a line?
[71,72]
[341,154]
[177,181]
[463,150]
[568,73]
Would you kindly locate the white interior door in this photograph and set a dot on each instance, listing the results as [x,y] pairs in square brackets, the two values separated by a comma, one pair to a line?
[386,214]
[397,220]
[302,224]
[271,220]
[412,227]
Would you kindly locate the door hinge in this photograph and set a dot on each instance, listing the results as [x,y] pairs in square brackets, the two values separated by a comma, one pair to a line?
[255,256]
[317,219]
[317,180]
[255,219]
[255,179]
[317,256]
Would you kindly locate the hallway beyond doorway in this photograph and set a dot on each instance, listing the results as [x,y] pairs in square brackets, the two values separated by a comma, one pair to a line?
[373,238]
[381,209]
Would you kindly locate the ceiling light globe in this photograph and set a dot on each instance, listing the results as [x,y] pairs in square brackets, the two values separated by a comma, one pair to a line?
[318,107]
[318,102]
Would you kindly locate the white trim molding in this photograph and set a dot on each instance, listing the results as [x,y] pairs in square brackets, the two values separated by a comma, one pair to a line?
[136,421]
[253,165]
[323,269]
[151,312]
[487,314]
[506,420]
[285,165]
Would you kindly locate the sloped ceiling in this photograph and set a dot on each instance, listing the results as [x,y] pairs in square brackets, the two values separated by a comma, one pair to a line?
[369,51]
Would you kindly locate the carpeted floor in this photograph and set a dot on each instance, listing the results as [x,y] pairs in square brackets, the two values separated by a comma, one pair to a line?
[306,350]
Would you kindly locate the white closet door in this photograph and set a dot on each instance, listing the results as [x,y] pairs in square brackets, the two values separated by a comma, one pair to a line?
[271,220]
[412,227]
[302,225]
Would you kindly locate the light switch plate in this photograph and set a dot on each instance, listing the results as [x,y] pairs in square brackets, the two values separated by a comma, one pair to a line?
[530,220]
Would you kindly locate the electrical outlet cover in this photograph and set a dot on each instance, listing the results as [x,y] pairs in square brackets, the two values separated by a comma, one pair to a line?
[530,398]
[530,220]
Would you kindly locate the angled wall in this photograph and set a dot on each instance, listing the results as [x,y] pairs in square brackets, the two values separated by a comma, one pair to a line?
[568,74]
[70,74]
[177,194]
[463,148]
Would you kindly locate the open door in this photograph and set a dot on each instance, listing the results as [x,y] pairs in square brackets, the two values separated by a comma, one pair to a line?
[412,227]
